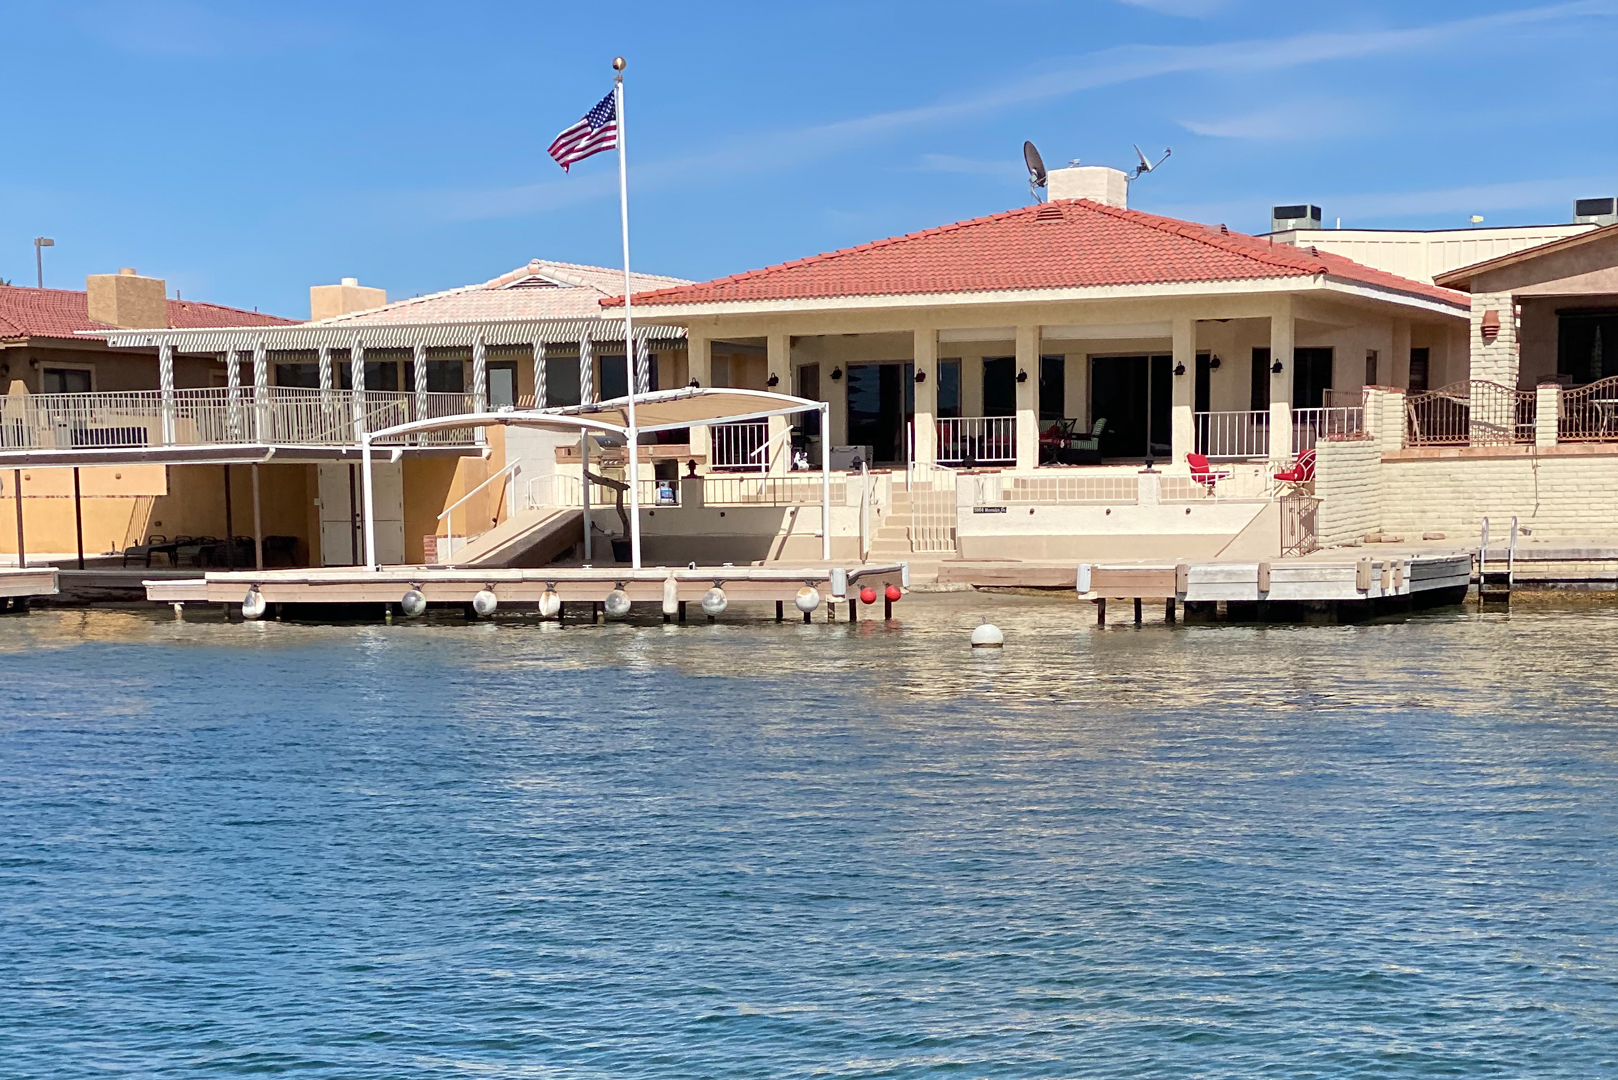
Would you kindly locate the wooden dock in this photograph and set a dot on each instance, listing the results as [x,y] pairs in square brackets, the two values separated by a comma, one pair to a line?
[19,586]
[352,587]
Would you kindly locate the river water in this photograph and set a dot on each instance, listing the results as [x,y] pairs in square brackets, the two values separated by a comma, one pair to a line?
[748,849]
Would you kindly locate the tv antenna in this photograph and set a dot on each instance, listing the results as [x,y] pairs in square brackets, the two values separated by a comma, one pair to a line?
[1147,166]
[1036,170]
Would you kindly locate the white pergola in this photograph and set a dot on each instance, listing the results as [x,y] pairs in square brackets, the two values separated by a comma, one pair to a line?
[661,410]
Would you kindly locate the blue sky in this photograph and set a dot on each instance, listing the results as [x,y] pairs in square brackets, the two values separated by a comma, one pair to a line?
[245,152]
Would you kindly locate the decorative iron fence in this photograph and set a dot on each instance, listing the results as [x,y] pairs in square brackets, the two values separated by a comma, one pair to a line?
[1300,525]
[1589,413]
[977,440]
[1470,413]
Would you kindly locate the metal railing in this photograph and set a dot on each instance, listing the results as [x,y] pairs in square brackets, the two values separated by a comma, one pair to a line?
[737,445]
[981,440]
[1589,413]
[1233,436]
[1310,426]
[1475,413]
[1300,525]
[279,416]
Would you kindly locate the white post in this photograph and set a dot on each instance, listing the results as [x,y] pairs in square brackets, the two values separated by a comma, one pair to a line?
[584,488]
[418,372]
[587,371]
[261,391]
[480,383]
[1182,421]
[1281,348]
[165,383]
[258,524]
[370,500]
[539,374]
[629,335]
[1028,338]
[356,378]
[233,396]
[324,358]
[825,484]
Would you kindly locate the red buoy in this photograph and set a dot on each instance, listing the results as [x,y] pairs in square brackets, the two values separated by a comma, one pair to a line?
[867,595]
[893,593]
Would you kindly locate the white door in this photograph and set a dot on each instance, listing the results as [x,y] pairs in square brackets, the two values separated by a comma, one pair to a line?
[342,512]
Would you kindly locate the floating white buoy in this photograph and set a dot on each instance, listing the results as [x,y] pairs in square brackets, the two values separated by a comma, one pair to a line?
[253,604]
[988,636]
[714,601]
[617,603]
[807,600]
[485,602]
[413,603]
[671,596]
[550,605]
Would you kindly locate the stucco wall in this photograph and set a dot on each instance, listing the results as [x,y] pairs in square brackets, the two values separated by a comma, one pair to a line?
[1348,481]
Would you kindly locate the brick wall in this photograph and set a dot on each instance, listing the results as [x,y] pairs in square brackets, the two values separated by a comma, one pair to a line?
[1494,361]
[1348,481]
[1558,495]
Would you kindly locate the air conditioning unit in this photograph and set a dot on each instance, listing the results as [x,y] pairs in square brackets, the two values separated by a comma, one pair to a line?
[1288,218]
[1596,211]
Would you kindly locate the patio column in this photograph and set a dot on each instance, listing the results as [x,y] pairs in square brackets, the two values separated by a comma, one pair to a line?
[778,350]
[418,372]
[699,369]
[233,396]
[261,391]
[480,375]
[539,374]
[1027,397]
[587,371]
[356,379]
[1281,337]
[165,386]
[1182,426]
[925,355]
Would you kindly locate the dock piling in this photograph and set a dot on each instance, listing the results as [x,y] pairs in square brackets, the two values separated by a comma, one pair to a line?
[1137,611]
[1101,611]
[1168,611]
[780,610]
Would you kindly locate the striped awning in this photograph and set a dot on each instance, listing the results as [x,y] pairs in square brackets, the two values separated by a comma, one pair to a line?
[312,336]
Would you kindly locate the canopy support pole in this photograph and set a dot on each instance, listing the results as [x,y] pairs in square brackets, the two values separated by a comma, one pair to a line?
[584,482]
[825,483]
[370,501]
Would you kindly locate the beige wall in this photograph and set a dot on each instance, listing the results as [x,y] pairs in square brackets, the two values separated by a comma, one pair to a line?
[1348,480]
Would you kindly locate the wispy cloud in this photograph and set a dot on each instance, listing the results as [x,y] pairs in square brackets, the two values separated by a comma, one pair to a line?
[951,163]
[1186,8]
[1296,120]
[772,151]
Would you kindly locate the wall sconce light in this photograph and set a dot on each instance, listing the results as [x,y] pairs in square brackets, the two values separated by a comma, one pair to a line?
[694,385]
[836,374]
[1213,362]
[1275,368]
[921,376]
[1179,369]
[773,380]
[5,369]
[1022,376]
[1491,326]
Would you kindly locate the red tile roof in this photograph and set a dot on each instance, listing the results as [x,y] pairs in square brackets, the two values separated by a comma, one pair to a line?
[59,313]
[1070,243]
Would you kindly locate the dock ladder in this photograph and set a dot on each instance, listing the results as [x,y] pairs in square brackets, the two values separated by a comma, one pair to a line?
[1494,585]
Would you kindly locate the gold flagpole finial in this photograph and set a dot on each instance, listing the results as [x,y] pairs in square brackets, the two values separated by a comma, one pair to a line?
[619,63]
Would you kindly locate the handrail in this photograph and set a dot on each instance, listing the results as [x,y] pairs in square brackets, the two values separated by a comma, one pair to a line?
[479,488]
[786,432]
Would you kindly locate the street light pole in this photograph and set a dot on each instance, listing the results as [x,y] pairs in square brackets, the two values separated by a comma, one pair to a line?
[39,259]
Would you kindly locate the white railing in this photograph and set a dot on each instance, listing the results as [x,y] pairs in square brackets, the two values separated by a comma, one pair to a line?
[738,445]
[1233,436]
[982,440]
[280,416]
[1309,426]
[798,489]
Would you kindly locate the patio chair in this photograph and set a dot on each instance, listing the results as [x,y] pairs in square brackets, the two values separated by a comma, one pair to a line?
[1085,449]
[1203,473]
[156,542]
[1055,441]
[1300,476]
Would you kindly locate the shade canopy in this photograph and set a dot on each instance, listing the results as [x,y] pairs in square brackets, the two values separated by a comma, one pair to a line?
[660,410]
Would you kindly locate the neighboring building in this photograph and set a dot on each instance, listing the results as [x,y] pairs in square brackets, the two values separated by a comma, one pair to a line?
[1427,254]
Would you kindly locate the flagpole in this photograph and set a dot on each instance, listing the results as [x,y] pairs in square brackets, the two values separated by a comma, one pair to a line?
[618,65]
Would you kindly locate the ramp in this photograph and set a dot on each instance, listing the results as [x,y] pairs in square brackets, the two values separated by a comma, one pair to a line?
[531,538]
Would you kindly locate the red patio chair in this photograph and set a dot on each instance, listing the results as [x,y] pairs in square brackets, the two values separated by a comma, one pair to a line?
[1301,474]
[1203,473]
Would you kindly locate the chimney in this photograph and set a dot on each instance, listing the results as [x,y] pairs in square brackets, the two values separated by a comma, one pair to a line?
[126,299]
[330,301]
[1110,187]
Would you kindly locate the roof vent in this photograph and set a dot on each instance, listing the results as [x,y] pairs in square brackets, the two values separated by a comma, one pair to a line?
[533,281]
[1050,212]
[1297,216]
[1596,211]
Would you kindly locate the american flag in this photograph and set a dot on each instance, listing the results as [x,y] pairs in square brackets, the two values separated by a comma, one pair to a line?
[598,131]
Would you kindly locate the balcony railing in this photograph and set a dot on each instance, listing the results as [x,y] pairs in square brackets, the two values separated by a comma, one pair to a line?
[1233,436]
[1309,426]
[278,416]
[1474,413]
[739,445]
[980,440]
[1589,413]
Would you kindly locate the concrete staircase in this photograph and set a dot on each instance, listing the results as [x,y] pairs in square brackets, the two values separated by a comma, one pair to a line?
[528,538]
[890,539]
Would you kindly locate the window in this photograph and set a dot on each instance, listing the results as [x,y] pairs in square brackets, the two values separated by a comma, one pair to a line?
[1311,377]
[1370,368]
[614,378]
[446,377]
[949,388]
[64,381]
[306,376]
[379,374]
[502,383]
[1418,370]
[809,387]
[1587,345]
[1260,399]
[561,381]
[1052,389]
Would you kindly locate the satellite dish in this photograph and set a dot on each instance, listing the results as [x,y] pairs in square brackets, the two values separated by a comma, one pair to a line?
[1036,169]
[1147,166]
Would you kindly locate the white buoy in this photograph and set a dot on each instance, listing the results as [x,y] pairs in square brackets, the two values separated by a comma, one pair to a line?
[988,636]
[485,602]
[253,604]
[808,599]
[714,601]
[671,596]
[550,605]
[413,603]
[617,603]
